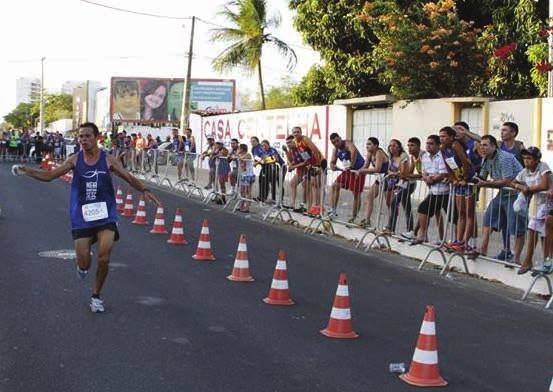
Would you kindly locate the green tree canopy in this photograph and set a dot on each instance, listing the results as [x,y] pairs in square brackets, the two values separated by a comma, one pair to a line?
[425,50]
[56,107]
[22,116]
[247,37]
[345,44]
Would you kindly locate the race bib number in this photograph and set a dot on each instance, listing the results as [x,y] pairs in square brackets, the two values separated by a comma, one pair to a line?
[305,155]
[451,163]
[187,148]
[95,211]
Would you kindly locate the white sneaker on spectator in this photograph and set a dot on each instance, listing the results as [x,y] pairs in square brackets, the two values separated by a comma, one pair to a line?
[408,235]
[96,305]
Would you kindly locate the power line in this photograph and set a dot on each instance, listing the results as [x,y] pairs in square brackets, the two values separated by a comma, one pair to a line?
[175,18]
[136,12]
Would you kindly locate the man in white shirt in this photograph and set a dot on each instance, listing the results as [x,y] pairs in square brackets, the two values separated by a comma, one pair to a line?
[434,172]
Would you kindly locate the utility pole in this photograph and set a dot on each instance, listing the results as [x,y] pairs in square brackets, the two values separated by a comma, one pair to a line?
[185,110]
[550,44]
[42,95]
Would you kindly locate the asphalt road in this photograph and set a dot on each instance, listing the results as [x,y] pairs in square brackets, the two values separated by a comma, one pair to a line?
[175,324]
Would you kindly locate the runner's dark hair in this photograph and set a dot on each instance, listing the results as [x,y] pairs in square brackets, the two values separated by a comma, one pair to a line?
[92,126]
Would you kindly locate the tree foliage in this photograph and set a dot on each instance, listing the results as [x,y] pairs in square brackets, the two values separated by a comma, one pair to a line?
[425,50]
[494,48]
[22,116]
[56,107]
[345,44]
[316,87]
[247,36]
[515,22]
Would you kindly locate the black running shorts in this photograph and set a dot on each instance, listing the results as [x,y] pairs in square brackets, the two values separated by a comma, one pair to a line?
[93,232]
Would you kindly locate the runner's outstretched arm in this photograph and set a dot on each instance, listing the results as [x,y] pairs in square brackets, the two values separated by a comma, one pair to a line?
[116,167]
[47,176]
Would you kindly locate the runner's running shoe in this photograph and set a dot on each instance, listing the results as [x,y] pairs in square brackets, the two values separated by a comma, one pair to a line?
[96,305]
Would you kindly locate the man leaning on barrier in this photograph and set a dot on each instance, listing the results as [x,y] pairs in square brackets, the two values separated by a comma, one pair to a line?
[434,172]
[314,159]
[502,167]
[352,160]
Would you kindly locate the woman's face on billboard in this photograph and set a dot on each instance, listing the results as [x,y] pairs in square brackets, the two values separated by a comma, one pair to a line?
[127,101]
[155,100]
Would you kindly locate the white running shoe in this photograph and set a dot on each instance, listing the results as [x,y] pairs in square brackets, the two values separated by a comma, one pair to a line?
[408,235]
[96,305]
[82,273]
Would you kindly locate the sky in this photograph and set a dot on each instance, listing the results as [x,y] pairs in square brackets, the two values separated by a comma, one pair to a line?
[81,41]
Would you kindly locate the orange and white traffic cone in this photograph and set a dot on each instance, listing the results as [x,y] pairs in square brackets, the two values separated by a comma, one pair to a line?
[140,217]
[279,294]
[177,234]
[241,269]
[159,222]
[128,211]
[424,370]
[119,200]
[203,252]
[339,326]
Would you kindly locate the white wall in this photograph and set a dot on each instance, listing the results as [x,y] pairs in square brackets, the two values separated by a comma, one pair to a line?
[519,111]
[317,122]
[420,118]
[547,130]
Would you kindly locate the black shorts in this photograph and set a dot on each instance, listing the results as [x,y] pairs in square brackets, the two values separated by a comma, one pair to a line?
[93,232]
[432,205]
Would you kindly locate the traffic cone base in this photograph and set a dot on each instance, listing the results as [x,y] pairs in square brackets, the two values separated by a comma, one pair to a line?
[241,269]
[423,382]
[270,301]
[203,252]
[339,325]
[424,370]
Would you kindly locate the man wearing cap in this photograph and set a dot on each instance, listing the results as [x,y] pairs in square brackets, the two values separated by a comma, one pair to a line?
[532,182]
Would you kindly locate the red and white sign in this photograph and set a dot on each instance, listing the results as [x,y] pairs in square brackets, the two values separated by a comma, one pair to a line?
[317,122]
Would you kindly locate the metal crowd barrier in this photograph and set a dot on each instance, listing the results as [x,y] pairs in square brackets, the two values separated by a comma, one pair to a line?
[395,205]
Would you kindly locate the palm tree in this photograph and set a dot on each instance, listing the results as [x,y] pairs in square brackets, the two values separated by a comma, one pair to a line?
[247,36]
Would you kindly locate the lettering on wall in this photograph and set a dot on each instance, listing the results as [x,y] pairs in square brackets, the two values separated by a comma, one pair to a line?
[502,118]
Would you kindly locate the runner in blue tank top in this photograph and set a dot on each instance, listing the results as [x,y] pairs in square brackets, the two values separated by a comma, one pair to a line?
[92,204]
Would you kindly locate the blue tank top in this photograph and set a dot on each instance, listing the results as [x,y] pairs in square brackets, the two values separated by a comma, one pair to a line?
[92,201]
[178,146]
[474,159]
[385,165]
[344,155]
[188,146]
[455,164]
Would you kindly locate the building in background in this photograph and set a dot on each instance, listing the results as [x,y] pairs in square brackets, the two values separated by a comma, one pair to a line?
[84,102]
[69,85]
[27,90]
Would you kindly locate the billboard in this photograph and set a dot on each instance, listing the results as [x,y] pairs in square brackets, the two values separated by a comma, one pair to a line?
[160,100]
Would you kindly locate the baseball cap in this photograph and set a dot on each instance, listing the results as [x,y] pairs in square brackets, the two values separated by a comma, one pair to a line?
[532,151]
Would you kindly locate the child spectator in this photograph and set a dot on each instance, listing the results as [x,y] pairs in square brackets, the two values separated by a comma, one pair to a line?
[533,179]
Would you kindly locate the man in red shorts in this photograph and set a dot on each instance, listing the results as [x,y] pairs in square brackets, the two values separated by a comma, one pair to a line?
[352,160]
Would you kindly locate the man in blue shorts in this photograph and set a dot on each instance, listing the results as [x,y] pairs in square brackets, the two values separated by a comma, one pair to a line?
[92,206]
